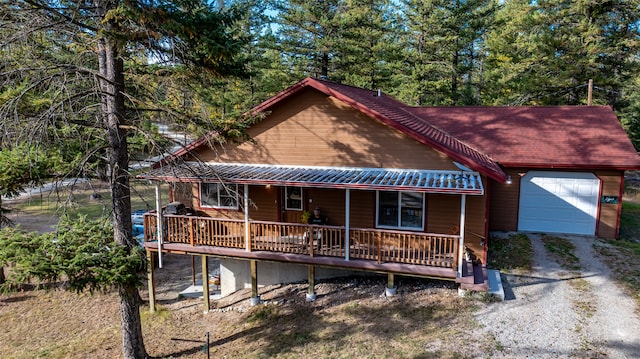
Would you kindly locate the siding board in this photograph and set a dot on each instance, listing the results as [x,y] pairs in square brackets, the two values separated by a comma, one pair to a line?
[316,130]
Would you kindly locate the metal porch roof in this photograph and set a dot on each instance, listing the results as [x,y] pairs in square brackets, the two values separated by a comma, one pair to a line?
[431,181]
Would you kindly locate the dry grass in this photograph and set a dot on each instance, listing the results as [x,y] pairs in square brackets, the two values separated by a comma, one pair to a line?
[561,249]
[350,319]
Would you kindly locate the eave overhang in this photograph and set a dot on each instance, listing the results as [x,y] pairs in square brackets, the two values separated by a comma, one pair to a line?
[389,179]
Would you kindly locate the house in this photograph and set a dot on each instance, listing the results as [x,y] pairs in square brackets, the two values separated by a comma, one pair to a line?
[408,190]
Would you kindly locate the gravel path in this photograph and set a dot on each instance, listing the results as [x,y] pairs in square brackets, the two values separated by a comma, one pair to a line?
[555,313]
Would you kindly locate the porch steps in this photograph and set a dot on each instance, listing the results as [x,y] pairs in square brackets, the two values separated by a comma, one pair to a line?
[474,277]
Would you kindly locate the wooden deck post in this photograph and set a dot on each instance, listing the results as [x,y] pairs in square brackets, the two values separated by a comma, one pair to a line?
[205,282]
[391,286]
[255,298]
[311,293]
[463,205]
[151,282]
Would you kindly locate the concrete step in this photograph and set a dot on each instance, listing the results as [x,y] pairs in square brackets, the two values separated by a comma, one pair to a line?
[495,283]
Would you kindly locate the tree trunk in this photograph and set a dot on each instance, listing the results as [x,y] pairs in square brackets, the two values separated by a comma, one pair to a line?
[112,111]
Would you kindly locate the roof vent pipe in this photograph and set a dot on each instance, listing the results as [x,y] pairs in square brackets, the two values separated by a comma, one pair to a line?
[379,93]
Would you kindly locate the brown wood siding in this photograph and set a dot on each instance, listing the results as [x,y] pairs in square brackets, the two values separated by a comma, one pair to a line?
[476,225]
[608,218]
[443,214]
[444,217]
[504,202]
[264,206]
[316,130]
[363,209]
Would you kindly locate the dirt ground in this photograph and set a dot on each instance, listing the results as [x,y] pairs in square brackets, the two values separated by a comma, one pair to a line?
[351,318]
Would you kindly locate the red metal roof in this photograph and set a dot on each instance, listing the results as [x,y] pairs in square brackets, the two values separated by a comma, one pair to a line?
[570,137]
[486,138]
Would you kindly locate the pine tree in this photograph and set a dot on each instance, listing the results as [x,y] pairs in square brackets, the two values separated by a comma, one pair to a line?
[547,51]
[444,50]
[84,55]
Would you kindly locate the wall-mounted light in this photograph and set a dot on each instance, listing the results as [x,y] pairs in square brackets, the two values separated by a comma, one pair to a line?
[268,187]
[509,180]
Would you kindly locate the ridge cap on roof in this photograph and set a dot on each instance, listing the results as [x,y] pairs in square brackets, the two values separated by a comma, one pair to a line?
[440,129]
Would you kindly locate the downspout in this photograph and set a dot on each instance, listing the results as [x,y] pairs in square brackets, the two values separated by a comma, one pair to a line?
[160,225]
[347,225]
[463,205]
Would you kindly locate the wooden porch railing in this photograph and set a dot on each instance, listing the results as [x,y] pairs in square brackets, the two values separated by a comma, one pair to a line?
[404,247]
[370,244]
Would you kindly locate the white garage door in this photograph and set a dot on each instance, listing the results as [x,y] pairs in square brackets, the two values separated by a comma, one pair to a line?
[559,202]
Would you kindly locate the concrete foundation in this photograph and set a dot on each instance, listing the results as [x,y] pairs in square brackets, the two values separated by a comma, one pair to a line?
[235,274]
[390,292]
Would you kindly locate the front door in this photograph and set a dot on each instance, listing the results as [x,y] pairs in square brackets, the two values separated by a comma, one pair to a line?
[292,204]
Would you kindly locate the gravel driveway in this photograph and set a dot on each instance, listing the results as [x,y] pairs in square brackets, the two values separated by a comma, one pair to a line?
[555,313]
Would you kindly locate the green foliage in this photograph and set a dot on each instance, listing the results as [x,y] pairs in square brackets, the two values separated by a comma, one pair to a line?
[512,253]
[445,51]
[545,52]
[80,251]
[562,250]
[630,221]
[24,165]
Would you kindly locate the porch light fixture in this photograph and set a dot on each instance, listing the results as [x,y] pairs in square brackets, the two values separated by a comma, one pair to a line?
[509,180]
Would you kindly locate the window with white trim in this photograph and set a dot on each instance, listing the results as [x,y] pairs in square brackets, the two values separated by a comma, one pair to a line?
[401,210]
[218,195]
[293,198]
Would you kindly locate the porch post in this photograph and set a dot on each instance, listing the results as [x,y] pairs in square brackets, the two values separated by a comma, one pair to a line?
[463,205]
[205,282]
[311,293]
[151,282]
[255,298]
[347,224]
[391,289]
[247,231]
[160,226]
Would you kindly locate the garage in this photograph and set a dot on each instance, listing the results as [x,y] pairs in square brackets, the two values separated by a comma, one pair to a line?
[559,202]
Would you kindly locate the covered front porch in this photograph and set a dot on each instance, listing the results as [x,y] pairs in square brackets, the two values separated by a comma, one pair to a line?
[384,250]
[402,252]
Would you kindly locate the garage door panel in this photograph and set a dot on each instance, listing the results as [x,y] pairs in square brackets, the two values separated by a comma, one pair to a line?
[560,202]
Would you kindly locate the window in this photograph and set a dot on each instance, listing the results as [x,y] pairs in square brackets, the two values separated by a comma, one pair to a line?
[217,195]
[400,210]
[293,198]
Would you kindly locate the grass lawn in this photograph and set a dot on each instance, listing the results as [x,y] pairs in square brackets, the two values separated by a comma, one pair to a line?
[623,255]
[79,201]
[511,254]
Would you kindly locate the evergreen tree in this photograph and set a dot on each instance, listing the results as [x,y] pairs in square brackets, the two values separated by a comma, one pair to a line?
[444,49]
[72,62]
[545,52]
[309,35]
[369,52]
